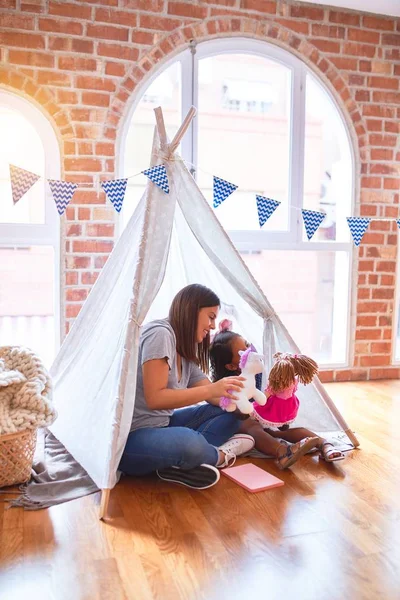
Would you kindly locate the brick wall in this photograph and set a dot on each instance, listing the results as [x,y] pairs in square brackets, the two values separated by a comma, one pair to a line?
[81,62]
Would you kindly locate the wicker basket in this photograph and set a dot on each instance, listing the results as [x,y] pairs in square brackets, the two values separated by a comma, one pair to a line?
[16,456]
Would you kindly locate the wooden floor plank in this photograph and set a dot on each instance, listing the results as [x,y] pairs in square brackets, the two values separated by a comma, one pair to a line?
[331,532]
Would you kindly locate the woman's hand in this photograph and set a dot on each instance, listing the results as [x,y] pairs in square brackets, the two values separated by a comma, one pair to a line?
[227,387]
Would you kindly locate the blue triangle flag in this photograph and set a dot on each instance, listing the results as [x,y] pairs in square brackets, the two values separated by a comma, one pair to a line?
[62,193]
[312,220]
[21,182]
[398,223]
[158,175]
[358,226]
[265,208]
[221,190]
[115,190]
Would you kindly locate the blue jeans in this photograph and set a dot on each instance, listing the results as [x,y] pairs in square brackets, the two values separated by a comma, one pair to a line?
[191,438]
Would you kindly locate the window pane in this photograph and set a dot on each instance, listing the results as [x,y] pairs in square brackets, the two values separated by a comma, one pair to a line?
[327,165]
[244,135]
[27,299]
[309,292]
[20,145]
[165,91]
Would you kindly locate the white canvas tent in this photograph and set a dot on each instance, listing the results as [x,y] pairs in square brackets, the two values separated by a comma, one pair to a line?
[170,241]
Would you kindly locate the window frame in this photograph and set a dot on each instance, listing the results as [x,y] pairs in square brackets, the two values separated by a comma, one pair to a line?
[254,241]
[20,235]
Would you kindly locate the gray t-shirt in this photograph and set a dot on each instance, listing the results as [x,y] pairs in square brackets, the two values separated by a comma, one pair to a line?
[157,340]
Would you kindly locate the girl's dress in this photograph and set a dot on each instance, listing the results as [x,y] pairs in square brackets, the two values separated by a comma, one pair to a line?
[281,408]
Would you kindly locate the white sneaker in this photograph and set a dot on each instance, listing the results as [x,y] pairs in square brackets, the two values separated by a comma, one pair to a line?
[236,446]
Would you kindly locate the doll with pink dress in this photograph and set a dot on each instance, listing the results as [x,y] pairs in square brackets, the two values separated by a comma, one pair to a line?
[282,403]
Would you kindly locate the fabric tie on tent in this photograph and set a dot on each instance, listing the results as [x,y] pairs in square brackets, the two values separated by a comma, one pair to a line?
[21,182]
[158,175]
[265,208]
[62,193]
[358,226]
[221,190]
[115,190]
[312,220]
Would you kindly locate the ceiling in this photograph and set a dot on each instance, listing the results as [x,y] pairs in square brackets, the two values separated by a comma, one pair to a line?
[381,7]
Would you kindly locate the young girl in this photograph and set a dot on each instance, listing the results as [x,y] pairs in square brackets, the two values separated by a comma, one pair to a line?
[224,357]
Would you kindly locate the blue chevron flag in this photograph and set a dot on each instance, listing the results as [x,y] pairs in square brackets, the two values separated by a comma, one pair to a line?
[398,223]
[115,190]
[62,193]
[312,220]
[21,182]
[158,175]
[221,190]
[265,208]
[358,226]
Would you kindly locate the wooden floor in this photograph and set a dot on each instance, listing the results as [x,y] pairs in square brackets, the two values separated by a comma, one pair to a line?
[329,533]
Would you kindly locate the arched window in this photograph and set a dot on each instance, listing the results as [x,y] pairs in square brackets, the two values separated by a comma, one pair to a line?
[268,125]
[29,232]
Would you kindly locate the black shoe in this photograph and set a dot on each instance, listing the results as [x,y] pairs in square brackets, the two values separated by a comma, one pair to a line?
[198,478]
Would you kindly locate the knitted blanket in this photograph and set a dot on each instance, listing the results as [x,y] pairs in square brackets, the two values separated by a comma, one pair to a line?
[25,391]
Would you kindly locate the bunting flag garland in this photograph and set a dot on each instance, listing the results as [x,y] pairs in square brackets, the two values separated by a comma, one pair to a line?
[358,226]
[221,190]
[115,190]
[158,175]
[312,220]
[398,223]
[21,182]
[62,193]
[265,208]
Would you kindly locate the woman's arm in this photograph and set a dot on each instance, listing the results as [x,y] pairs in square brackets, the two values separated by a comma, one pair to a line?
[202,383]
[159,396]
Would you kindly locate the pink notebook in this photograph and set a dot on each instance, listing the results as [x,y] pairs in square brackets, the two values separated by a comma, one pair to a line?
[252,478]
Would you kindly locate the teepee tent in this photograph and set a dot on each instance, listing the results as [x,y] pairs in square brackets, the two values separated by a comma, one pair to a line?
[170,241]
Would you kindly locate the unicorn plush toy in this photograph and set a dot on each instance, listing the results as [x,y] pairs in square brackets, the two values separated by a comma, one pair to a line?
[251,364]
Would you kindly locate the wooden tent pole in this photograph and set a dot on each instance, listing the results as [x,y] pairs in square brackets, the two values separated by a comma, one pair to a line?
[182,130]
[162,133]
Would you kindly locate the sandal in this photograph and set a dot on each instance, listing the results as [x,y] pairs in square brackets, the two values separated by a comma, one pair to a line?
[296,451]
[326,453]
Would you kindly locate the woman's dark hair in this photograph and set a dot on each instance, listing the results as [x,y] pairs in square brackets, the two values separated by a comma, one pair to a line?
[221,355]
[183,316]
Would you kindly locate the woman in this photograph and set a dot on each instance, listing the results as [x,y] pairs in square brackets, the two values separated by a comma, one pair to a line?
[188,445]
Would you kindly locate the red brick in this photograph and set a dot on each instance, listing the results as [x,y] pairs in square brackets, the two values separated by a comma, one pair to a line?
[391,39]
[71,278]
[378,111]
[374,124]
[8,4]
[382,140]
[389,373]
[356,49]
[82,164]
[66,97]
[385,321]
[298,26]
[391,184]
[378,23]
[359,35]
[95,99]
[372,307]
[60,26]
[82,46]
[305,12]
[22,40]
[366,321]
[100,261]
[117,51]
[374,361]
[74,230]
[344,64]
[386,266]
[89,82]
[53,78]
[76,295]
[118,17]
[72,310]
[392,126]
[149,5]
[86,196]
[362,96]
[15,21]
[142,37]
[76,63]
[107,32]
[92,246]
[383,294]
[77,262]
[344,18]
[105,149]
[192,11]
[102,230]
[381,154]
[72,11]
[388,83]
[115,69]
[327,45]
[159,23]
[372,279]
[34,59]
[368,334]
[381,347]
[263,6]
[328,31]
[89,278]
[371,182]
